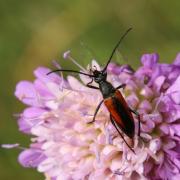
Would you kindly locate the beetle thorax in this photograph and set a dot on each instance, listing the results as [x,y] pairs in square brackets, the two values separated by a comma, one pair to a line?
[106,89]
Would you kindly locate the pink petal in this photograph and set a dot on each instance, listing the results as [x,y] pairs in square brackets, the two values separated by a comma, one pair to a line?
[31,158]
[177,60]
[41,74]
[30,117]
[26,93]
[149,60]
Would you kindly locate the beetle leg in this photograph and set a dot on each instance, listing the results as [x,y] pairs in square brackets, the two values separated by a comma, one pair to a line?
[121,86]
[90,86]
[97,109]
[139,120]
[114,124]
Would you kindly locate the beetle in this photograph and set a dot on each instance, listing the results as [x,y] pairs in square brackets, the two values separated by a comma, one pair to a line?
[120,113]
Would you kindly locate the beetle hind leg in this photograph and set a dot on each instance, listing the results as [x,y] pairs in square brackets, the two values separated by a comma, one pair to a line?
[139,123]
[114,124]
[139,120]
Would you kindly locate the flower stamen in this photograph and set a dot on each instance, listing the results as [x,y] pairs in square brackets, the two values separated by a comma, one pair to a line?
[56,64]
[67,55]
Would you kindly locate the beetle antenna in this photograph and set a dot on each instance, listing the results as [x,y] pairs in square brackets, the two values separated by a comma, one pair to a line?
[73,71]
[115,48]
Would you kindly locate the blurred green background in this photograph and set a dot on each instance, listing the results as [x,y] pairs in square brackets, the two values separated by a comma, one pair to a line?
[33,33]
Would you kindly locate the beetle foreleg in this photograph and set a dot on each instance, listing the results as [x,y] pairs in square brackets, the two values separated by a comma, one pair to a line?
[114,124]
[90,86]
[97,109]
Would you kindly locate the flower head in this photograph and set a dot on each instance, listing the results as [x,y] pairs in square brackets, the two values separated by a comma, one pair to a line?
[65,146]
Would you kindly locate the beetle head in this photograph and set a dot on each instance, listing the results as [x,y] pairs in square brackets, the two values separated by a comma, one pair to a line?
[99,76]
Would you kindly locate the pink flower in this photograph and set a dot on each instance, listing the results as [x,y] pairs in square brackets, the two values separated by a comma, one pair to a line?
[64,146]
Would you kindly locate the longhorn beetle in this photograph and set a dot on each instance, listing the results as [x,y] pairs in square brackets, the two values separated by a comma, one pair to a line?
[120,113]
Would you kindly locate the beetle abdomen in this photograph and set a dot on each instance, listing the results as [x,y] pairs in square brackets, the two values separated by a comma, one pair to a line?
[120,113]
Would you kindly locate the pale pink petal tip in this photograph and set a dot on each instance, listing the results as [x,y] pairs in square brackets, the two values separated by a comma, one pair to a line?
[177,60]
[9,146]
[66,54]
[56,64]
